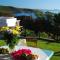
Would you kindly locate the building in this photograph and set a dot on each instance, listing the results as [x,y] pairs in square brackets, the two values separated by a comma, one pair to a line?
[8,21]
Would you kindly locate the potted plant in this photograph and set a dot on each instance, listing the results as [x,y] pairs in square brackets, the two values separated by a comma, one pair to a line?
[11,35]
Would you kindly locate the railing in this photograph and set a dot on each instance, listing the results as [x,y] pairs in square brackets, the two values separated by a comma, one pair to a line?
[35,39]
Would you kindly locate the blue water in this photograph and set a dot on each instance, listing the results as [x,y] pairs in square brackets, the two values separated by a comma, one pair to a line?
[49,53]
[26,14]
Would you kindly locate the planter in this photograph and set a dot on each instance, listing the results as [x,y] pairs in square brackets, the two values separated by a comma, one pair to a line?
[11,50]
[22,42]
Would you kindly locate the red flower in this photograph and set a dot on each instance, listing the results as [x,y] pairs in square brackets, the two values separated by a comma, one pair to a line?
[26,51]
[16,55]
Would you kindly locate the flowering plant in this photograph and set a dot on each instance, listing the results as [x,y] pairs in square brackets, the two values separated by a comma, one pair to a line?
[4,51]
[10,34]
[23,54]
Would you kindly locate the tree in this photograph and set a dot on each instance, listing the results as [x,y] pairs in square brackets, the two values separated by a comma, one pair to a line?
[57,25]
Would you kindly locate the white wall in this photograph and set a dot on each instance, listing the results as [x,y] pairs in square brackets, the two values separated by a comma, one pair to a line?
[11,22]
[8,21]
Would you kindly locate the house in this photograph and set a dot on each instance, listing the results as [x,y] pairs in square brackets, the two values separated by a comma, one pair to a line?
[8,21]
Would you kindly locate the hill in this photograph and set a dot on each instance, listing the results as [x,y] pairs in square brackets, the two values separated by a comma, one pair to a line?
[9,10]
[12,10]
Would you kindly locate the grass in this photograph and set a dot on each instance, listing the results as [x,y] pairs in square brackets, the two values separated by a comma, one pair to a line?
[49,46]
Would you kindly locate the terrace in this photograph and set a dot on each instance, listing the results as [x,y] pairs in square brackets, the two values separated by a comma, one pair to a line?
[46,46]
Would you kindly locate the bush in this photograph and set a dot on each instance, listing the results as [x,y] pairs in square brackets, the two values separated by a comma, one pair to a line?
[44,35]
[4,51]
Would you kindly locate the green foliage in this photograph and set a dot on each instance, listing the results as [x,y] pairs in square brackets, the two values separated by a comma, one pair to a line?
[39,13]
[24,56]
[44,35]
[13,42]
[2,43]
[10,39]
[29,33]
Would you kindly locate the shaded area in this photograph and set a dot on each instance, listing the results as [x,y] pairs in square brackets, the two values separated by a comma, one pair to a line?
[57,53]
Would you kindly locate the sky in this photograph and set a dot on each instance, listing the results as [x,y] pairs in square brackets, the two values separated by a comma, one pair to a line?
[32,4]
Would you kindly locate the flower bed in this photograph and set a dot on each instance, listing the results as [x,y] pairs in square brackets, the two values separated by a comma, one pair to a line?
[23,54]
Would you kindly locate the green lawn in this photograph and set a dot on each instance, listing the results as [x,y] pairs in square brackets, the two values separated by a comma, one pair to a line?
[49,46]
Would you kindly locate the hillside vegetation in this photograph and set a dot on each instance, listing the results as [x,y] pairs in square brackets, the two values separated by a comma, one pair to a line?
[9,10]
